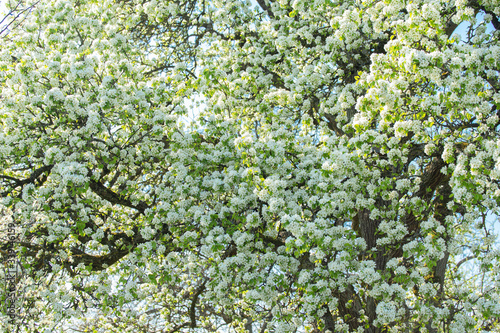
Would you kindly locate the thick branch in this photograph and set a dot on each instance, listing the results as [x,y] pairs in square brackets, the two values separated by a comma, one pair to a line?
[107,194]
[33,177]
[266,8]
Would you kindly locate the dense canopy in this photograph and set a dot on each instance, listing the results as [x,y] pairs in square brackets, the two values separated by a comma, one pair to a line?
[238,166]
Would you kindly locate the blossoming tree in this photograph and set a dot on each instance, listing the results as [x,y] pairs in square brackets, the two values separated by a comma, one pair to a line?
[341,172]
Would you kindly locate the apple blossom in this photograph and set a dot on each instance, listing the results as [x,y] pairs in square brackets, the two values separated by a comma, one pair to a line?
[342,174]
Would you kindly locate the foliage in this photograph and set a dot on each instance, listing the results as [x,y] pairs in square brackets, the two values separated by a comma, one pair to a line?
[340,174]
